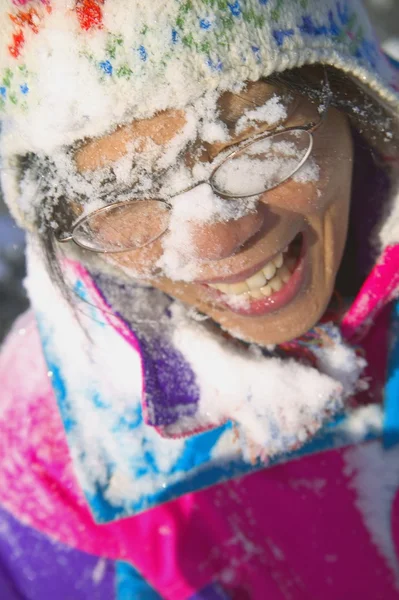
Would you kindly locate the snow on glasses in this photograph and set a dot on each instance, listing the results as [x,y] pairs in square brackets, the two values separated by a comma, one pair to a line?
[257,165]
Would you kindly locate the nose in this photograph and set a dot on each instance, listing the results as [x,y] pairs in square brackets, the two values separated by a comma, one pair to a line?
[215,241]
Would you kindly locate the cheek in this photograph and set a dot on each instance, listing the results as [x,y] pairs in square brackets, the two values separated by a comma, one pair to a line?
[302,198]
[314,198]
[141,263]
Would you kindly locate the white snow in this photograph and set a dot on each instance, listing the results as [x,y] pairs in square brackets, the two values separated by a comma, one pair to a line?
[147,169]
[391,47]
[214,132]
[192,208]
[238,301]
[275,403]
[374,476]
[340,362]
[266,163]
[271,113]
[362,421]
[310,171]
[89,369]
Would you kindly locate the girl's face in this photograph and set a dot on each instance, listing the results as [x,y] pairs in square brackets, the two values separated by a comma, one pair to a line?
[268,276]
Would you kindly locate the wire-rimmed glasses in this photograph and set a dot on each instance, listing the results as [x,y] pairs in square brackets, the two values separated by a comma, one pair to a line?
[255,166]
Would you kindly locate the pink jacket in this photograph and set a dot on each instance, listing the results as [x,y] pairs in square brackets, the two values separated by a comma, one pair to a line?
[325,526]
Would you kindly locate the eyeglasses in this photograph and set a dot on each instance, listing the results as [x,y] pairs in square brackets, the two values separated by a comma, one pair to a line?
[255,166]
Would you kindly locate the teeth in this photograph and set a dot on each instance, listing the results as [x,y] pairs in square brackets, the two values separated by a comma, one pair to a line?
[266,291]
[222,287]
[238,288]
[269,270]
[284,274]
[256,281]
[278,261]
[265,282]
[257,294]
[276,284]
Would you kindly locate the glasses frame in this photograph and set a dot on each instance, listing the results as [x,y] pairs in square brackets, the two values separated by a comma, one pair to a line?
[310,128]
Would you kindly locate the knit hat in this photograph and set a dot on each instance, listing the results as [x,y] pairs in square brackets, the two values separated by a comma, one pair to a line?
[70,69]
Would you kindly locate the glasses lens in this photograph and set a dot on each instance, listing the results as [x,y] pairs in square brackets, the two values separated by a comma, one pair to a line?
[123,226]
[263,164]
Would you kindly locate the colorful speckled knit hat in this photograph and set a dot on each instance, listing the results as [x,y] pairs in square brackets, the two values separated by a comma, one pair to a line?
[75,68]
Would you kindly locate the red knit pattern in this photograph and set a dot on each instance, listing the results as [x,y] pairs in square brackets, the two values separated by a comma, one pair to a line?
[23,19]
[89,14]
[18,41]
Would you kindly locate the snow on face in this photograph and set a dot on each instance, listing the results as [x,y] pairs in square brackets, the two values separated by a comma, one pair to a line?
[272,112]
[192,208]
[148,168]
[146,164]
[213,248]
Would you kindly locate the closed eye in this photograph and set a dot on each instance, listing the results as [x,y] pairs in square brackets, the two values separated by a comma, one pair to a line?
[254,128]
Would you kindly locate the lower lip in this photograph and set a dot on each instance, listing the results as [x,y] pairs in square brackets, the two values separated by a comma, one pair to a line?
[278,300]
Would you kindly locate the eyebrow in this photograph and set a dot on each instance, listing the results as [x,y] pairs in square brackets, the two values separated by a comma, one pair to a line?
[233,106]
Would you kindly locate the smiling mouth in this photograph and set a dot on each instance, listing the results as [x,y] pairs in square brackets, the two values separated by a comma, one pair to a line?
[269,288]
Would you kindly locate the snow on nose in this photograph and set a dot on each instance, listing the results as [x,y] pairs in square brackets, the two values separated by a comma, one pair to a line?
[203,226]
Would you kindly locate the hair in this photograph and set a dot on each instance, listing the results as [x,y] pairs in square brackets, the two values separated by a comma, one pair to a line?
[371,122]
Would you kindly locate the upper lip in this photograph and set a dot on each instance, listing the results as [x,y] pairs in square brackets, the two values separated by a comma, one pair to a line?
[246,273]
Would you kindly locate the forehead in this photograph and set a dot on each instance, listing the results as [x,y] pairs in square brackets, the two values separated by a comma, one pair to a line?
[164,126]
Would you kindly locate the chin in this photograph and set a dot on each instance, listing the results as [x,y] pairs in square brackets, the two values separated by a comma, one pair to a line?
[264,333]
[292,321]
